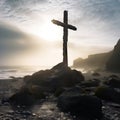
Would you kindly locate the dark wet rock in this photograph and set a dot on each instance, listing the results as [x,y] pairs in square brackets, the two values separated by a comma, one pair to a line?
[113,81]
[58,76]
[44,82]
[96,74]
[37,91]
[90,83]
[22,98]
[108,94]
[59,91]
[114,76]
[67,78]
[59,67]
[27,78]
[78,104]
[113,63]
[26,113]
[5,101]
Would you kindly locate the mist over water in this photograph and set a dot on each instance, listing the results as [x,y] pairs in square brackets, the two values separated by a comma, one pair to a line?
[19,71]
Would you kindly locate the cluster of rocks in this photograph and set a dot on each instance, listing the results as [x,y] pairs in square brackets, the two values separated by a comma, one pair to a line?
[113,63]
[75,95]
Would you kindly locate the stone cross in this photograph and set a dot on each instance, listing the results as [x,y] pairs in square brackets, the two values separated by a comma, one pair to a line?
[65,26]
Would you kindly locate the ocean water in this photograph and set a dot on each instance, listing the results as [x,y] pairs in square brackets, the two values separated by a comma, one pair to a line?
[19,71]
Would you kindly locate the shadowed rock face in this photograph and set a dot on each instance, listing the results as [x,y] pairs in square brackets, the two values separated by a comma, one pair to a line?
[40,84]
[23,97]
[109,61]
[113,63]
[79,104]
[108,94]
[94,61]
[58,76]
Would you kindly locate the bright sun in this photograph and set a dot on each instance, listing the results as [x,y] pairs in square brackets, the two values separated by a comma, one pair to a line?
[47,31]
[50,32]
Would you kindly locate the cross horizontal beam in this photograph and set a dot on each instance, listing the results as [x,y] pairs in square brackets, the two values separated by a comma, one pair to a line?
[64,25]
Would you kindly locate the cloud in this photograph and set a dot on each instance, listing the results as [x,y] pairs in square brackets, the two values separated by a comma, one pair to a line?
[15,44]
[19,10]
[10,32]
[97,22]
[20,48]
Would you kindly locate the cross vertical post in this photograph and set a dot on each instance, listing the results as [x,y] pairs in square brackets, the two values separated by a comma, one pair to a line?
[65,39]
[65,26]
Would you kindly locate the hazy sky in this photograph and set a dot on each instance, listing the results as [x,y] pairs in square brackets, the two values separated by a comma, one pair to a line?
[27,36]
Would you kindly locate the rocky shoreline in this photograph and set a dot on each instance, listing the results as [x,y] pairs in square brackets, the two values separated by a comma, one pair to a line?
[63,94]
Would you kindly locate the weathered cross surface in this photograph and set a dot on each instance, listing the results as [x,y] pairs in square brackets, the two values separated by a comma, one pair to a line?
[65,26]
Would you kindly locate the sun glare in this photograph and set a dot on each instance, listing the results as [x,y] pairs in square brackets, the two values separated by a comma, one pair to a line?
[47,31]
[50,32]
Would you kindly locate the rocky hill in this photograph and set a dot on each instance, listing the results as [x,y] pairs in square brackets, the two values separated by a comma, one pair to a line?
[94,61]
[113,64]
[109,61]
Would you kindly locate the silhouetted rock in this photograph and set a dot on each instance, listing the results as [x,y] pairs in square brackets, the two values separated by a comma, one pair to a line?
[57,77]
[95,61]
[59,91]
[37,91]
[27,78]
[108,94]
[113,81]
[96,74]
[22,98]
[90,83]
[61,66]
[78,104]
[44,82]
[113,63]
[114,76]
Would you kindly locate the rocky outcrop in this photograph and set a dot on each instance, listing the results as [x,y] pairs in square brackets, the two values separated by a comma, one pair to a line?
[78,104]
[22,98]
[113,63]
[42,83]
[108,94]
[94,61]
[57,77]
[113,81]
[108,61]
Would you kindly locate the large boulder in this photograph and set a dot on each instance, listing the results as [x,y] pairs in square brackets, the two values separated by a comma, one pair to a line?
[90,83]
[81,105]
[22,98]
[67,78]
[108,94]
[58,76]
[113,63]
[44,82]
[113,81]
[37,91]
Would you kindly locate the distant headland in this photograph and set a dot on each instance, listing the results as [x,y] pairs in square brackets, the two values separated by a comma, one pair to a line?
[104,61]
